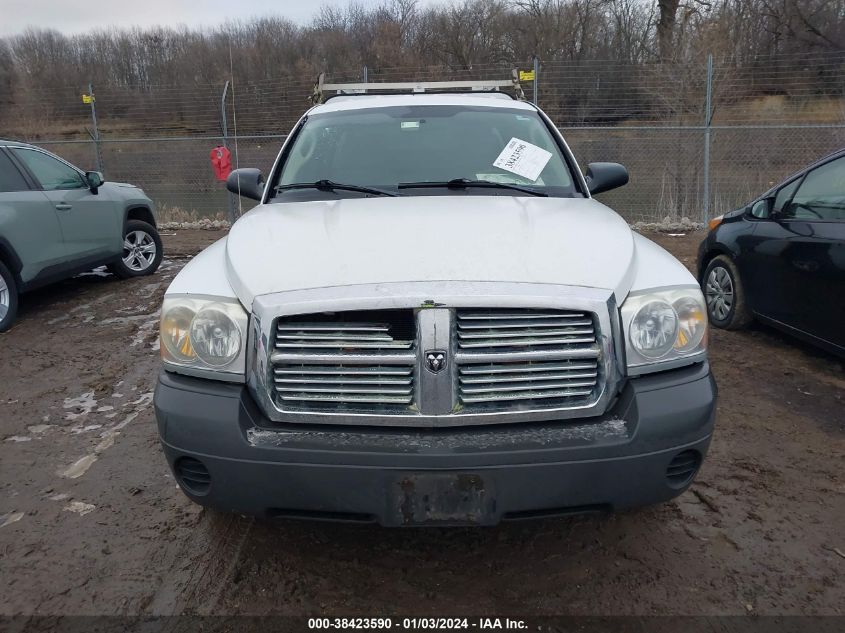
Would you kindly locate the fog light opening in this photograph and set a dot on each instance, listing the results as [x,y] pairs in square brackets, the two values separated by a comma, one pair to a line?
[682,468]
[193,476]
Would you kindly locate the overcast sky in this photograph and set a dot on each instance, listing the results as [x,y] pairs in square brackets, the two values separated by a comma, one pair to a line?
[76,16]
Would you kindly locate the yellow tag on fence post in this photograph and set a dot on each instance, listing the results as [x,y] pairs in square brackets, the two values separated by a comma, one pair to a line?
[526,75]
[87,98]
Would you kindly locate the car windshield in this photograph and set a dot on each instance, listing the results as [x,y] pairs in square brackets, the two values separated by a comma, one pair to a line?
[425,150]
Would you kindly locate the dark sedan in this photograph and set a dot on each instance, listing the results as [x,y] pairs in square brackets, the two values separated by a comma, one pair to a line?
[781,259]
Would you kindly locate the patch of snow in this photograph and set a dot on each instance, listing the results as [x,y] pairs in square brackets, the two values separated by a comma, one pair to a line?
[143,332]
[126,421]
[40,428]
[144,401]
[8,519]
[100,271]
[108,442]
[78,468]
[80,507]
[127,320]
[76,430]
[86,403]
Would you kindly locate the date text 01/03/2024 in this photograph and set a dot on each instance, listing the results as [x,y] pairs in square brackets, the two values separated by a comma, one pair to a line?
[412,624]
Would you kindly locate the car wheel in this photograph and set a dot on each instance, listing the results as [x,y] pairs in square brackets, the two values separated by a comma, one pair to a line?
[142,251]
[8,298]
[724,294]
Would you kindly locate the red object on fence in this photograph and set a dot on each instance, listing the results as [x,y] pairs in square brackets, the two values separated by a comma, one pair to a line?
[221,162]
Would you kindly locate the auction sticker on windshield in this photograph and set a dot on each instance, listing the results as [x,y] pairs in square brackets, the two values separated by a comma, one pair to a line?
[523,159]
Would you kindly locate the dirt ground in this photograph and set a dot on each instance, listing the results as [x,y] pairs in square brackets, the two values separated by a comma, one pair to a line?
[91,521]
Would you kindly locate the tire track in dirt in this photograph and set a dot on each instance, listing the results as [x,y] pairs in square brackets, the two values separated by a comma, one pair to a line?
[209,562]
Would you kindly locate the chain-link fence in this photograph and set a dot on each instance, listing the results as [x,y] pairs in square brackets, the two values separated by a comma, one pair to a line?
[698,138]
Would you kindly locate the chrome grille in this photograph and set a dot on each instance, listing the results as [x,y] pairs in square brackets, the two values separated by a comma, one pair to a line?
[371,364]
[344,385]
[513,330]
[338,337]
[553,382]
[360,361]
[526,358]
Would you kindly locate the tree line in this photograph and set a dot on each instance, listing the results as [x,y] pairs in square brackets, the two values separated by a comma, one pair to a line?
[457,36]
[401,33]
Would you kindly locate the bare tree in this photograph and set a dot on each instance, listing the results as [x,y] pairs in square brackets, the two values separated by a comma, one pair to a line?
[42,71]
[666,27]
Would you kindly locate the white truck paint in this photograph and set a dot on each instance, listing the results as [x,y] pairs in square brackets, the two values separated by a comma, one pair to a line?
[569,241]
[568,419]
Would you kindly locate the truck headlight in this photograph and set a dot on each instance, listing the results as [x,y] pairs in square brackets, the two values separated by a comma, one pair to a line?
[204,337]
[664,329]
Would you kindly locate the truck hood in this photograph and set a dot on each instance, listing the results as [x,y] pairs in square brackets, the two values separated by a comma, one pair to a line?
[306,245]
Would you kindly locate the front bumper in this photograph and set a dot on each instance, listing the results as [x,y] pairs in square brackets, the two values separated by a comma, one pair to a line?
[631,456]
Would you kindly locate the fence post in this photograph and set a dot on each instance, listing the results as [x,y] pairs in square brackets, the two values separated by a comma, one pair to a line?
[96,133]
[225,130]
[366,73]
[708,115]
[536,79]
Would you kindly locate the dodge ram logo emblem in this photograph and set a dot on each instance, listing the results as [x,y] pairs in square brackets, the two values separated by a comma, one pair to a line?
[435,360]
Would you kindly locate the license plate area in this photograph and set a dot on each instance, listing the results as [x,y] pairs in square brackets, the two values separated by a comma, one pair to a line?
[443,499]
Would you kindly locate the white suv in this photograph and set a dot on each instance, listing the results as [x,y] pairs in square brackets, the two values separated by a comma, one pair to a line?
[429,320]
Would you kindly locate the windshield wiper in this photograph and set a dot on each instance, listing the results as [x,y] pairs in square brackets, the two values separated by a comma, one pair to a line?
[463,183]
[329,185]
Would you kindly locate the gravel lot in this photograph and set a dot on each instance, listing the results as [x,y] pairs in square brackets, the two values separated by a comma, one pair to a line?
[91,521]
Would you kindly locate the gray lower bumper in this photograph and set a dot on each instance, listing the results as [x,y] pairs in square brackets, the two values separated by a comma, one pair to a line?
[450,476]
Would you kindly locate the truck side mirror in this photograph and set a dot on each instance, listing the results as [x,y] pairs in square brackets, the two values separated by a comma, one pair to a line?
[247,182]
[605,176]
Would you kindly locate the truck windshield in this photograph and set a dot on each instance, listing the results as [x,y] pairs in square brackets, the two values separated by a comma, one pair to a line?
[426,150]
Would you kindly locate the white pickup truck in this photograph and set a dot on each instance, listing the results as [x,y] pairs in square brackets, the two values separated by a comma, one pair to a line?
[428,319]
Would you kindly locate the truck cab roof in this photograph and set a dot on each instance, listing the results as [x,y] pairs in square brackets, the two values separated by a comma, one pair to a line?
[479,99]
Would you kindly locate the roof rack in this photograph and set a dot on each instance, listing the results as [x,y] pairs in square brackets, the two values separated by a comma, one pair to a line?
[482,85]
